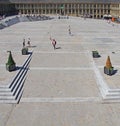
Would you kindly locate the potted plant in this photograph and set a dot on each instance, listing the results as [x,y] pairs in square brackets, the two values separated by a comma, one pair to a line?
[108,69]
[95,54]
[10,65]
[24,51]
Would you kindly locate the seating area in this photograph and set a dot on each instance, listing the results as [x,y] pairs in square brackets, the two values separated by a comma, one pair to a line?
[26,18]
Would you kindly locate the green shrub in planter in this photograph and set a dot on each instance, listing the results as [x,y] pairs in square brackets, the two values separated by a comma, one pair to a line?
[24,51]
[95,54]
[10,65]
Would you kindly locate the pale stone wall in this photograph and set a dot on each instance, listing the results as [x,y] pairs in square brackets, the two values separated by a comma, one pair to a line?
[115,10]
[96,10]
[75,8]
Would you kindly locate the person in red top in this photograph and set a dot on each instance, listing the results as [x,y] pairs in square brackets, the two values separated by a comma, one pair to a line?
[53,42]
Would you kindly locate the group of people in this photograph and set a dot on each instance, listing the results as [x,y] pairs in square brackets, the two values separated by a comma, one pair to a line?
[28,42]
[53,41]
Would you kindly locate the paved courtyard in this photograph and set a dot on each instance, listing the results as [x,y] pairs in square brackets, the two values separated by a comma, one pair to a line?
[62,87]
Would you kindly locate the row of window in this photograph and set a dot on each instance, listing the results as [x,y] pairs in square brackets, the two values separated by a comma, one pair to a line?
[66,11]
[115,5]
[63,5]
[65,8]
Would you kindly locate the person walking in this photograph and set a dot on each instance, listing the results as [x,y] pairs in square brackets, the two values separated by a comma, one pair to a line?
[53,43]
[23,42]
[69,30]
[29,42]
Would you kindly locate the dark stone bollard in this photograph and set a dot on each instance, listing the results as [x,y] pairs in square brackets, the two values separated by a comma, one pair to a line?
[95,54]
[24,51]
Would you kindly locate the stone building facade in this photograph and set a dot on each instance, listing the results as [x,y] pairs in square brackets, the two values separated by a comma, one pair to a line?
[115,9]
[7,8]
[90,8]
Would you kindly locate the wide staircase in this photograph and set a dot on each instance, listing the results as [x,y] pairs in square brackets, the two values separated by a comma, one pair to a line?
[11,93]
[112,95]
[108,94]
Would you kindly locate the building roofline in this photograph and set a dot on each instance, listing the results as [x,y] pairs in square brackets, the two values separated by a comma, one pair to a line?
[59,1]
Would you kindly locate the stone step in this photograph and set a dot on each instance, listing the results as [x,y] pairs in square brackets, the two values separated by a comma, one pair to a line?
[13,87]
[13,101]
[6,93]
[112,94]
[112,98]
[4,86]
[13,92]
[113,90]
[5,89]
[103,91]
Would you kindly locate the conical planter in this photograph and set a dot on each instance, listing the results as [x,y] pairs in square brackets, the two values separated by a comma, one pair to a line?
[108,69]
[10,65]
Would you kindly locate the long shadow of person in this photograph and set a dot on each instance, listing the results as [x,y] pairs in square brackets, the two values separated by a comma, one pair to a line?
[58,48]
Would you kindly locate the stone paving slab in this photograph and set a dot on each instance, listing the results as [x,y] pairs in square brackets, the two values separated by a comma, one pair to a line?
[5,112]
[65,114]
[60,83]
[81,103]
[59,60]
[61,47]
[6,76]
[103,49]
